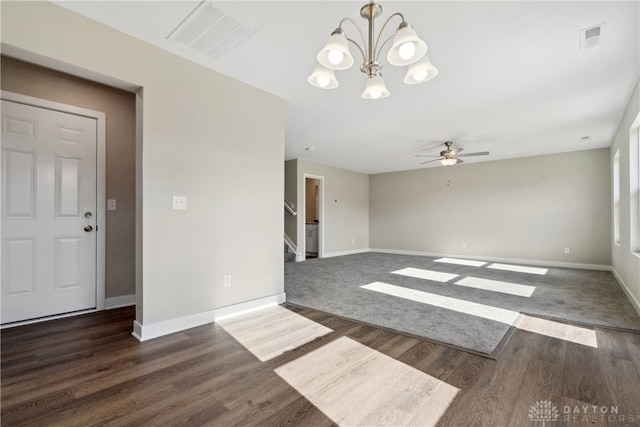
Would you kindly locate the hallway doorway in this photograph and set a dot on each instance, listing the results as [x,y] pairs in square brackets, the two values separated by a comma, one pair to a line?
[312,215]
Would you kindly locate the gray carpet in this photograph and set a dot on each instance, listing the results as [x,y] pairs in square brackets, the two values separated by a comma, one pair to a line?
[333,285]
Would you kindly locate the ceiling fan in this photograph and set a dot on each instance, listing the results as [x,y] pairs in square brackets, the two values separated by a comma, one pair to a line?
[450,156]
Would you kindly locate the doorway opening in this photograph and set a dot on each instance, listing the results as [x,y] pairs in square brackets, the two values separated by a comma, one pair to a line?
[53,220]
[313,241]
[31,76]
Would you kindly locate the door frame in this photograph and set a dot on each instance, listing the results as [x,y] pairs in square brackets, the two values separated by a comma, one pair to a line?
[303,215]
[101,187]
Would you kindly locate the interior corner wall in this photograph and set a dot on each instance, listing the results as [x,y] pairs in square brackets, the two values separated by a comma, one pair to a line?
[345,209]
[626,262]
[119,107]
[290,196]
[528,208]
[208,137]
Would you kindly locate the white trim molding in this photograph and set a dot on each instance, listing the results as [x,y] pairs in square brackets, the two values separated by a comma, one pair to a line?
[290,243]
[634,302]
[350,252]
[155,330]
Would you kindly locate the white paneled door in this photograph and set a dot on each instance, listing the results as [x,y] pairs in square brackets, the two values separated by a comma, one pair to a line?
[48,212]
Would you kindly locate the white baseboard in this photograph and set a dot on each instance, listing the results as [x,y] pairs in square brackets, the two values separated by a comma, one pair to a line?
[154,330]
[341,253]
[121,301]
[634,302]
[541,263]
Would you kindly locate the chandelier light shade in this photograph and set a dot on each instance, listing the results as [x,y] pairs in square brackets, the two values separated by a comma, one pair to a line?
[407,49]
[420,71]
[323,78]
[449,162]
[375,89]
[336,55]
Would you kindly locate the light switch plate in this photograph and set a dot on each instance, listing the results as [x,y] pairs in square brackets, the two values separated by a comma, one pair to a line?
[180,203]
[111,204]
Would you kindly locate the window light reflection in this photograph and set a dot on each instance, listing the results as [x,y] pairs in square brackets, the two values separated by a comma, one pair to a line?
[419,273]
[468,262]
[519,268]
[270,332]
[497,286]
[576,334]
[339,377]
[467,307]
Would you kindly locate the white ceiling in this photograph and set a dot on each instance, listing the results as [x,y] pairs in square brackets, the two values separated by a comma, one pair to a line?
[513,80]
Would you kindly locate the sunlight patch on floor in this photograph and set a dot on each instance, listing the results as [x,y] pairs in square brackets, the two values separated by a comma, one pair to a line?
[519,268]
[419,273]
[558,330]
[497,286]
[270,332]
[355,385]
[468,262]
[462,306]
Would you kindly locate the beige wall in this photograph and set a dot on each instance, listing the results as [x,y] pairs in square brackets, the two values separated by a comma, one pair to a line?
[626,259]
[205,136]
[345,209]
[529,208]
[119,107]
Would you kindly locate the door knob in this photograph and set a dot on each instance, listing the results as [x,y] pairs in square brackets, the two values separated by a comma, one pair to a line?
[88,215]
[88,228]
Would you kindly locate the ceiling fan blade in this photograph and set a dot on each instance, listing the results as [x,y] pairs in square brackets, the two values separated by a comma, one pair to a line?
[430,161]
[424,155]
[480,153]
[455,151]
[459,161]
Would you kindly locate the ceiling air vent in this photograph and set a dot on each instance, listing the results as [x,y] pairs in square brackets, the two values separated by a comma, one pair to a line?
[592,36]
[210,31]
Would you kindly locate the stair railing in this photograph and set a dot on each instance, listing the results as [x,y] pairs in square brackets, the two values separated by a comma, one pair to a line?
[290,209]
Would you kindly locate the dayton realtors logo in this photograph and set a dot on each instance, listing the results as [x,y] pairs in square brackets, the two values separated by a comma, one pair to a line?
[545,411]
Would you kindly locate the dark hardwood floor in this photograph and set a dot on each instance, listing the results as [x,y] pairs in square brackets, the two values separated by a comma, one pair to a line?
[89,370]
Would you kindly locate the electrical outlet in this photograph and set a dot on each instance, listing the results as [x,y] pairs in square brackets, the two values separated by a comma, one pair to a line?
[227,280]
[567,250]
[180,203]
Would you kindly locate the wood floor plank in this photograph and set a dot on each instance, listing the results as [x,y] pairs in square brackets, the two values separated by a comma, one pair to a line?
[89,371]
[620,373]
[300,412]
[581,376]
[506,381]
[543,376]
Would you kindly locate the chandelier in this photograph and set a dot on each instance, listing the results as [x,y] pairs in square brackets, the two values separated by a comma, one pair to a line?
[407,49]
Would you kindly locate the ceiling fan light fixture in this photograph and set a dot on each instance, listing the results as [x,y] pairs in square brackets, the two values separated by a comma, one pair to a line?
[335,55]
[407,47]
[375,89]
[420,72]
[323,78]
[449,162]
